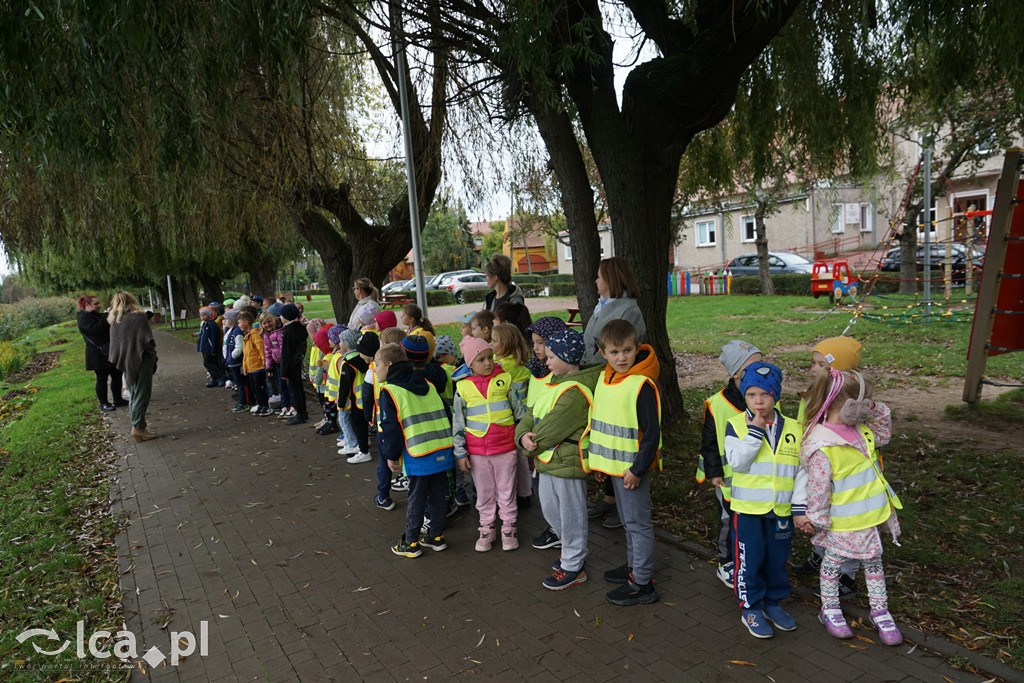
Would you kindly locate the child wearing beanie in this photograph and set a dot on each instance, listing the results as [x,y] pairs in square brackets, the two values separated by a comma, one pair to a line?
[554,431]
[718,408]
[763,448]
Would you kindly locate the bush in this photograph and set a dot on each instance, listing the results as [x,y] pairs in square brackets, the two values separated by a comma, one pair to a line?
[439,297]
[472,296]
[10,359]
[790,284]
[29,314]
[562,289]
[560,278]
[527,279]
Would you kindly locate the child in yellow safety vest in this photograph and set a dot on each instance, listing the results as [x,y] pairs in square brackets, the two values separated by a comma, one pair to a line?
[483,424]
[512,353]
[625,447]
[555,432]
[711,464]
[351,371]
[763,448]
[848,498]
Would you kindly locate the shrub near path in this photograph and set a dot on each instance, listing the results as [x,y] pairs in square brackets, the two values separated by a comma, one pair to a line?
[57,560]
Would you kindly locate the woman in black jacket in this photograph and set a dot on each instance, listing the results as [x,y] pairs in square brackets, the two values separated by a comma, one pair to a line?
[96,331]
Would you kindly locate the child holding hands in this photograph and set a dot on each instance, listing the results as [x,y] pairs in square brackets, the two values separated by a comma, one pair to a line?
[848,497]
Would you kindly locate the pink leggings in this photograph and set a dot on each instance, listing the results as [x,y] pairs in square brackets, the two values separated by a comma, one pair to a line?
[494,477]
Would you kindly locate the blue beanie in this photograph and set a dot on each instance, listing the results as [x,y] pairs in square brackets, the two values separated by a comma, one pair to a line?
[567,344]
[763,375]
[290,312]
[334,334]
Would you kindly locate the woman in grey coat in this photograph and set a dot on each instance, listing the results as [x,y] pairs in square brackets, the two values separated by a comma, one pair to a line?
[133,351]
[617,292]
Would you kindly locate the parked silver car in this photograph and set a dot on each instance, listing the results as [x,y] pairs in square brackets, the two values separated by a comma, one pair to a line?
[457,284]
[435,281]
[778,262]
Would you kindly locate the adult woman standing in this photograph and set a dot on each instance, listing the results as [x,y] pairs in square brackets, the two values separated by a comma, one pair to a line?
[367,306]
[617,292]
[133,351]
[96,331]
[498,272]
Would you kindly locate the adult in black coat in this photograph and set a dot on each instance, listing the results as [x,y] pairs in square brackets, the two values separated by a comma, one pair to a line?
[96,331]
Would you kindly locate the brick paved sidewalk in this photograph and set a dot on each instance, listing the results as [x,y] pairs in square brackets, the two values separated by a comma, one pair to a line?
[266,534]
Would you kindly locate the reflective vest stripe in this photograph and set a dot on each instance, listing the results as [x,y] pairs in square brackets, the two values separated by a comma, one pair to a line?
[618,431]
[544,401]
[768,485]
[484,411]
[859,507]
[853,481]
[861,497]
[424,421]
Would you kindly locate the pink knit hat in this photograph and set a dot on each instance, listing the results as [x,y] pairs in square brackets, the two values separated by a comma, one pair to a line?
[472,347]
[386,319]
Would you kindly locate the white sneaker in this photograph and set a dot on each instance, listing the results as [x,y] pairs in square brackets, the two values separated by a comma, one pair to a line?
[254,409]
[358,458]
[229,385]
[276,398]
[349,450]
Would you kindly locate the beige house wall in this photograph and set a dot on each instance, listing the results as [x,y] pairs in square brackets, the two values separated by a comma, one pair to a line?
[565,262]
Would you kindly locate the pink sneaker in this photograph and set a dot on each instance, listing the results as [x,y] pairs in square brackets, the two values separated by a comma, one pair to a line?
[886,625]
[509,541]
[835,623]
[486,540]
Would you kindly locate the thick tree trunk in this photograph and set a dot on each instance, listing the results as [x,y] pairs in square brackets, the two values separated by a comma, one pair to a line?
[577,198]
[212,288]
[261,268]
[761,242]
[908,249]
[337,258]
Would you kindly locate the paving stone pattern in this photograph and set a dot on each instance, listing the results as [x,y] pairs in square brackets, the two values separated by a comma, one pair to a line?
[269,536]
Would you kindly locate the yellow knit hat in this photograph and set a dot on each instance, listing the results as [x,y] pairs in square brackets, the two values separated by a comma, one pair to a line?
[841,353]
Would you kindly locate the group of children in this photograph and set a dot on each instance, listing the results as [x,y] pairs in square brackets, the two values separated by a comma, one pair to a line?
[258,352]
[489,418]
[500,415]
[819,472]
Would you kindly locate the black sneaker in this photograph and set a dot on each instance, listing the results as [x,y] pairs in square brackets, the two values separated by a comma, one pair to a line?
[631,593]
[619,574]
[560,579]
[811,566]
[329,428]
[297,420]
[435,543]
[106,407]
[547,539]
[407,549]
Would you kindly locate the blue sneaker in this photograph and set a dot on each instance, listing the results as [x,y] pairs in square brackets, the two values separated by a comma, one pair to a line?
[779,618]
[461,499]
[384,503]
[755,622]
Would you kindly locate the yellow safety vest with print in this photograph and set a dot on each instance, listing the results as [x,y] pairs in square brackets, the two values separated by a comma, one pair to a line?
[614,428]
[425,424]
[544,401]
[722,411]
[861,496]
[483,411]
[768,485]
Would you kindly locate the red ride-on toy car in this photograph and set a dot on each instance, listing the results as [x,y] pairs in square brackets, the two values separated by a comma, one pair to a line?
[833,278]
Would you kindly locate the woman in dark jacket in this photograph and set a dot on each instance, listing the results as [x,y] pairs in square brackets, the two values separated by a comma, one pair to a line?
[133,350]
[96,332]
[498,273]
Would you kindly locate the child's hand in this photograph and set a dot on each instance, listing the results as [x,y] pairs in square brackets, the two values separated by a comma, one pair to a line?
[464,465]
[630,480]
[803,524]
[527,441]
[395,466]
[718,482]
[758,421]
[600,477]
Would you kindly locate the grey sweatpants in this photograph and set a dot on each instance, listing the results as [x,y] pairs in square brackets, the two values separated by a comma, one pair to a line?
[634,507]
[564,504]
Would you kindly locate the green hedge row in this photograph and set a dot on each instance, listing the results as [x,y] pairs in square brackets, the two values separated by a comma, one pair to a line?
[799,284]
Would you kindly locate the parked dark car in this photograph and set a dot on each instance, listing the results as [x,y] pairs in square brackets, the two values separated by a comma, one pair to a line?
[778,262]
[891,260]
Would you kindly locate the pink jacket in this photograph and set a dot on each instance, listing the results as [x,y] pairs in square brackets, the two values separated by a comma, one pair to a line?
[272,348]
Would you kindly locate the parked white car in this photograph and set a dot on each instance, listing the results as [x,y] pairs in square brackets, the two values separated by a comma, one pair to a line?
[457,284]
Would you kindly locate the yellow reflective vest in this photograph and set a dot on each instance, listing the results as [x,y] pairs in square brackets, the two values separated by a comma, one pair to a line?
[722,411]
[768,485]
[332,384]
[314,371]
[614,428]
[483,411]
[425,425]
[535,388]
[544,401]
[861,496]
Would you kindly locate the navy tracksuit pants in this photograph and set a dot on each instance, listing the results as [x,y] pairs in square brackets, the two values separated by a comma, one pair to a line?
[762,550]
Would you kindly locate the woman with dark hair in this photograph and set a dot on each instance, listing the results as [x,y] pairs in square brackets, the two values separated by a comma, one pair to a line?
[133,351]
[498,272]
[96,332]
[617,293]
[367,304]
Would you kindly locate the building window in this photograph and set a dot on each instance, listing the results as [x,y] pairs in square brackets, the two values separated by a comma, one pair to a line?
[706,233]
[749,229]
[568,252]
[867,218]
[838,219]
[932,233]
